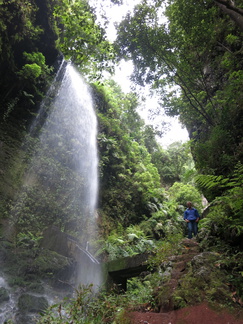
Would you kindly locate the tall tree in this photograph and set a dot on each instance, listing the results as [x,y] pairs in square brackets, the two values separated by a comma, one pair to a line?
[197,49]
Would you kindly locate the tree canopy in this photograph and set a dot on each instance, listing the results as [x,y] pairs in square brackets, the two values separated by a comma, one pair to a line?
[194,60]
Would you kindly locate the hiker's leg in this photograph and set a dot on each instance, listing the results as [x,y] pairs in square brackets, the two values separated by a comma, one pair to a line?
[189,225]
[195,228]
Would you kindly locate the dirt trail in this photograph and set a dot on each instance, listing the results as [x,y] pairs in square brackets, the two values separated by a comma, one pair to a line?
[199,314]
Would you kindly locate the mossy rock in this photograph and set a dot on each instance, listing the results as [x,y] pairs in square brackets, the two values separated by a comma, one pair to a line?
[25,318]
[32,304]
[24,271]
[205,281]
[5,247]
[205,260]
[32,267]
[30,284]
[16,281]
[51,262]
[4,295]
[36,287]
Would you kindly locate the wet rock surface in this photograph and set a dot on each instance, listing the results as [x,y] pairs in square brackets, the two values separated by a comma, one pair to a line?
[32,304]
[4,295]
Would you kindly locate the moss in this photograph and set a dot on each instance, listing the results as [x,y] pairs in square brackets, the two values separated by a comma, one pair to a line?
[4,296]
[50,261]
[122,316]
[204,281]
[30,303]
[17,282]
[25,267]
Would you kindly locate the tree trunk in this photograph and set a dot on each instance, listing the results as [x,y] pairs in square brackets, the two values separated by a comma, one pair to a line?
[236,14]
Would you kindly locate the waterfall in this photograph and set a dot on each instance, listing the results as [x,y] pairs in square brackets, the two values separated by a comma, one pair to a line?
[60,184]
[66,161]
[71,127]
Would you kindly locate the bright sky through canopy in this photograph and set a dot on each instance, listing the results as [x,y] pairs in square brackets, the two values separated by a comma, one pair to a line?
[114,14]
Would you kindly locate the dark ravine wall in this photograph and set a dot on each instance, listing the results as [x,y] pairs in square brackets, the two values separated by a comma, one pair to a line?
[24,29]
[20,99]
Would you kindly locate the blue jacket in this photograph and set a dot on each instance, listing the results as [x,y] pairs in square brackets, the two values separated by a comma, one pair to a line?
[191,214]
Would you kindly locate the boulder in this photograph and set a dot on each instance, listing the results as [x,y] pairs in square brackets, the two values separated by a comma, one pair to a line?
[32,304]
[4,296]
[204,260]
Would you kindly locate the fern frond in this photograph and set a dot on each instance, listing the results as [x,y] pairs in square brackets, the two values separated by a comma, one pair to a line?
[211,181]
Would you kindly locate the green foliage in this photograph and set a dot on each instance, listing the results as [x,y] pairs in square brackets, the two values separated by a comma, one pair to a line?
[130,183]
[81,39]
[130,187]
[17,22]
[195,288]
[32,35]
[216,154]
[87,308]
[181,193]
[10,106]
[231,262]
[30,71]
[203,57]
[164,249]
[226,209]
[28,240]
[35,57]
[37,67]
[128,242]
[164,223]
[140,290]
[174,164]
[22,73]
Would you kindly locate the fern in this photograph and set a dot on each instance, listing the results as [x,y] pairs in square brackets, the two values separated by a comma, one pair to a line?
[212,181]
[228,205]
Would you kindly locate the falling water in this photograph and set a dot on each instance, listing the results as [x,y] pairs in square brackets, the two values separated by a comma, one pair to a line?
[64,166]
[60,186]
[66,160]
[72,127]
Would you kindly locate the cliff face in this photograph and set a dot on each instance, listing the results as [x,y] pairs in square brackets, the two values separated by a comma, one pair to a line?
[24,79]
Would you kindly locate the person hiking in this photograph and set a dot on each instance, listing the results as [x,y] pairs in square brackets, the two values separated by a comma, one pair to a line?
[191,216]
